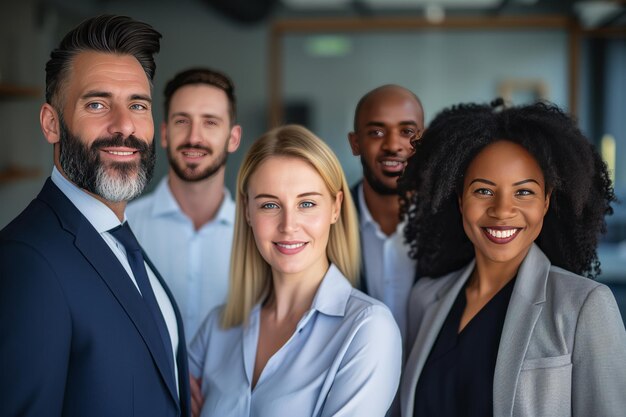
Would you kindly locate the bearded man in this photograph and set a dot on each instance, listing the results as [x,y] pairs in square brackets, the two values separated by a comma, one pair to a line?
[387,121]
[88,326]
[186,225]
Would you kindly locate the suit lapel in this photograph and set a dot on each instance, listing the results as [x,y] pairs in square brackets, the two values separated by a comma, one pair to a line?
[524,309]
[181,354]
[434,317]
[89,242]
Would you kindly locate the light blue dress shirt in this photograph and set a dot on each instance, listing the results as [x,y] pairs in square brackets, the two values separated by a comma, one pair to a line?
[194,263]
[103,219]
[344,359]
[389,271]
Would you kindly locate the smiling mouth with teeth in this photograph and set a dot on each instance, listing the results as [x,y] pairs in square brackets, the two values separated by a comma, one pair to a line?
[120,153]
[194,154]
[392,163]
[292,246]
[501,235]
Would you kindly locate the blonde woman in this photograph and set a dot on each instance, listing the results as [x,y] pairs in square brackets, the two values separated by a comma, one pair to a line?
[295,338]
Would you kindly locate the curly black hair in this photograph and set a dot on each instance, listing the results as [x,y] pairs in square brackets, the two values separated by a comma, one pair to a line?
[582,192]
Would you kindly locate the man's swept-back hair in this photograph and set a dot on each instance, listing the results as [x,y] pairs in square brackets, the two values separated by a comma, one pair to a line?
[250,274]
[202,76]
[109,34]
[574,173]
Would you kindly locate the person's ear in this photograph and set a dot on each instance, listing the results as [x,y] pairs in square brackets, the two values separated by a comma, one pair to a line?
[164,135]
[353,138]
[235,138]
[336,212]
[546,204]
[50,123]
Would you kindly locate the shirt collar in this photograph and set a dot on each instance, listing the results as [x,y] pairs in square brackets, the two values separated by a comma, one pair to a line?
[331,297]
[97,213]
[365,215]
[366,218]
[165,203]
[333,293]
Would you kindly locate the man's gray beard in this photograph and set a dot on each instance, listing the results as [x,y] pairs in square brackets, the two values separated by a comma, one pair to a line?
[117,188]
[82,165]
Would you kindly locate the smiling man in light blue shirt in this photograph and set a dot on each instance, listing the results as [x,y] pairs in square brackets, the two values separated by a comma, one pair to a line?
[386,121]
[186,225]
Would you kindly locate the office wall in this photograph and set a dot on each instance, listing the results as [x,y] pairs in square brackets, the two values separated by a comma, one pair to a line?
[193,35]
[443,67]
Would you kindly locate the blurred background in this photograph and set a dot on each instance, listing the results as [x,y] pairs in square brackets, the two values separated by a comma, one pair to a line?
[309,61]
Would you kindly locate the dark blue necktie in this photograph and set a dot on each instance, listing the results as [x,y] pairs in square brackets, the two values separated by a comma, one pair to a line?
[135,258]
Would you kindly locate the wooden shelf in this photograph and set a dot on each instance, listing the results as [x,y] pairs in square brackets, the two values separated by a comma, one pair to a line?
[16,91]
[13,173]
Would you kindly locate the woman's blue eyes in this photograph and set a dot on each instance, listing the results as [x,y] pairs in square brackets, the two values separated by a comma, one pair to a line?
[304,204]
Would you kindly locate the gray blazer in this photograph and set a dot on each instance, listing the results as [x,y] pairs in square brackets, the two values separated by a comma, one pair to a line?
[562,350]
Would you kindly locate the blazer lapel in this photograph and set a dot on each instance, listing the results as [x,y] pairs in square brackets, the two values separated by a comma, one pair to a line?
[181,354]
[524,309]
[100,256]
[434,317]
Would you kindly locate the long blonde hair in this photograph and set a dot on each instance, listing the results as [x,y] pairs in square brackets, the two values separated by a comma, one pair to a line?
[250,275]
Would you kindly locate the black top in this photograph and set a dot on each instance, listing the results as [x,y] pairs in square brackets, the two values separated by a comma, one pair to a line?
[457,379]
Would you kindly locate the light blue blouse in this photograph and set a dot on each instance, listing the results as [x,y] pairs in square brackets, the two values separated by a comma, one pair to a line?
[344,359]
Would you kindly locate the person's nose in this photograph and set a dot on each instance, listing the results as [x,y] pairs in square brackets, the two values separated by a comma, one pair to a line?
[195,132]
[392,142]
[122,122]
[503,207]
[288,221]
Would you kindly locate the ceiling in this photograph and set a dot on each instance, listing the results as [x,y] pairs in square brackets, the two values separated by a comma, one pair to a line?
[591,13]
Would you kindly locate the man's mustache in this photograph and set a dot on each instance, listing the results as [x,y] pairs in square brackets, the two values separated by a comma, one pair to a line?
[195,146]
[120,141]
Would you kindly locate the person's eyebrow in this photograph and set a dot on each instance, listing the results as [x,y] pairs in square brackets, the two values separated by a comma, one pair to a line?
[483,181]
[141,97]
[381,124]
[526,181]
[514,184]
[307,194]
[106,94]
[203,115]
[96,94]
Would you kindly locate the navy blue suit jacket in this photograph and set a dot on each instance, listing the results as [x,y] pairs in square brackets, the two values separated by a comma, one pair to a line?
[76,338]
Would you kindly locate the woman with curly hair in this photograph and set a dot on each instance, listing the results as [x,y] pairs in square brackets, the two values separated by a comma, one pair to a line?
[505,207]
